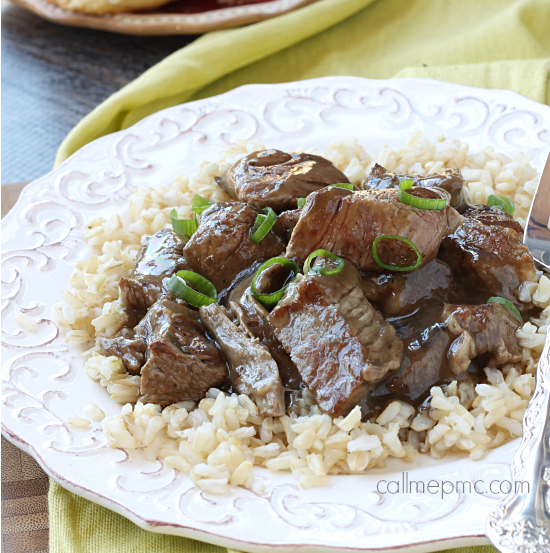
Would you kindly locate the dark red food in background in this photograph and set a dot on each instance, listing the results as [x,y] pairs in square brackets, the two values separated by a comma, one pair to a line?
[200,6]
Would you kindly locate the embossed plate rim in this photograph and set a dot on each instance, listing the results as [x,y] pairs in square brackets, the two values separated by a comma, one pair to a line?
[236,105]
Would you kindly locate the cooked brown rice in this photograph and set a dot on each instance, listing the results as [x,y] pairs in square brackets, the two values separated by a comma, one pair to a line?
[219,440]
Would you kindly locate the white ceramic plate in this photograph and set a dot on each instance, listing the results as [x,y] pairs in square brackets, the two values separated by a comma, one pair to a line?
[43,378]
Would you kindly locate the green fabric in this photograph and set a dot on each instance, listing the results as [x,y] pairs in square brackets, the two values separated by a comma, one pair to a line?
[80,526]
[485,43]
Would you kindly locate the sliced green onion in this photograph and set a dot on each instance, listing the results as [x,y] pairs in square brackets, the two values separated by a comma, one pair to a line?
[508,305]
[322,271]
[263,225]
[392,267]
[301,202]
[414,201]
[183,227]
[258,223]
[346,185]
[205,292]
[200,204]
[272,299]
[502,202]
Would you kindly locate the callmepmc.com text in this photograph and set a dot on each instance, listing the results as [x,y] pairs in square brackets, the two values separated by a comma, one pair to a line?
[408,485]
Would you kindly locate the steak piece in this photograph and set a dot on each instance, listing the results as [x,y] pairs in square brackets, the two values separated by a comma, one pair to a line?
[347,223]
[490,259]
[341,345]
[492,216]
[136,296]
[441,341]
[158,258]
[286,222]
[181,363]
[221,248]
[449,180]
[253,370]
[238,287]
[398,294]
[271,178]
[159,255]
[482,329]
[130,351]
[253,316]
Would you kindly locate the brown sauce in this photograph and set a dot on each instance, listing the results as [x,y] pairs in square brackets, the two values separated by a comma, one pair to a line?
[424,361]
[426,341]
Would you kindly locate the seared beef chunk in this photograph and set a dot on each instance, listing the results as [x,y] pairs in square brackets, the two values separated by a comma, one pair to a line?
[271,178]
[440,344]
[177,361]
[339,342]
[136,297]
[253,370]
[239,286]
[398,294]
[492,216]
[449,180]
[159,255]
[181,362]
[286,222]
[130,351]
[221,248]
[482,329]
[254,317]
[158,258]
[347,223]
[490,259]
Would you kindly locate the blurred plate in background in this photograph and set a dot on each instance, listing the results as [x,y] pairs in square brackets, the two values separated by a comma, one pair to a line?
[176,18]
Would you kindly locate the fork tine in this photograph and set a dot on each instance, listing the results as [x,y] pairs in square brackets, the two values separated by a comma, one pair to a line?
[537,229]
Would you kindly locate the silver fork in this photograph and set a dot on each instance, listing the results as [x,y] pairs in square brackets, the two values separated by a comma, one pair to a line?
[521,523]
[537,231]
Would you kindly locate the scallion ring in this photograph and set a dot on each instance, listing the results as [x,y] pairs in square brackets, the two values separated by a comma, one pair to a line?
[392,267]
[205,292]
[301,202]
[183,227]
[200,204]
[257,223]
[263,224]
[321,270]
[270,300]
[346,185]
[415,201]
[502,202]
[508,304]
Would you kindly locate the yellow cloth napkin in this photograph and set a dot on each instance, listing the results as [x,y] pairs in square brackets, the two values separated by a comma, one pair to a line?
[80,526]
[484,43]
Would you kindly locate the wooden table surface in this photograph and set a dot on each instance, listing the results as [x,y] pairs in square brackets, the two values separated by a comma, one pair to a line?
[52,76]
